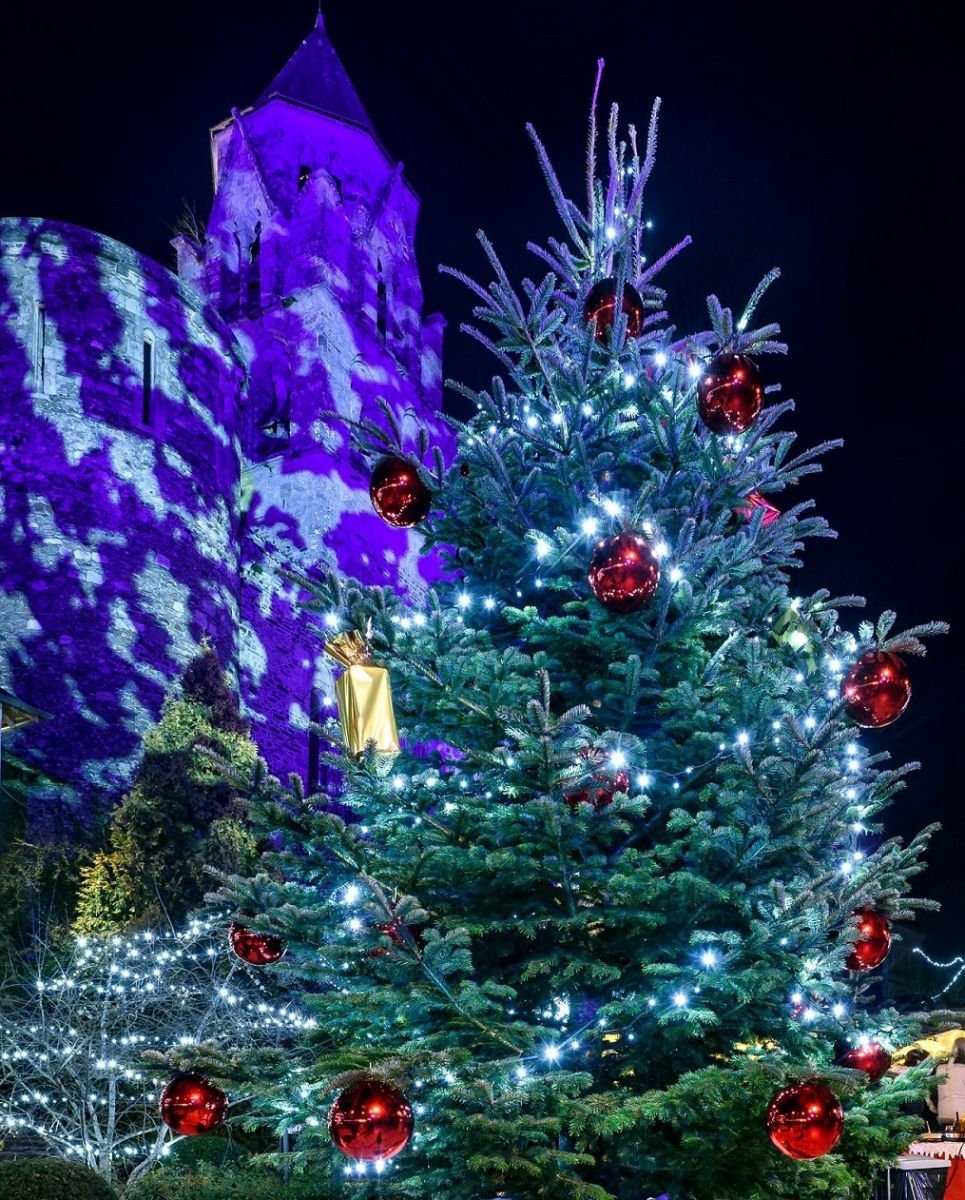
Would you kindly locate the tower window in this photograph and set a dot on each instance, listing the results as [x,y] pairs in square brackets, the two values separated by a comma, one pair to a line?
[41,348]
[147,381]
[304,174]
[382,307]
[254,271]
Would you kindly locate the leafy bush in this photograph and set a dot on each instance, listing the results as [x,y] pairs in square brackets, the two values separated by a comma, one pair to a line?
[182,814]
[227,1183]
[46,1178]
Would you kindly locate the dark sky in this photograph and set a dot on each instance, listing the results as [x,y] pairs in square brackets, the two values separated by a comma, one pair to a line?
[821,138]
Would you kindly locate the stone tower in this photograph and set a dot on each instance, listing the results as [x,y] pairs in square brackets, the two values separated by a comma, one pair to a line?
[309,256]
[163,455]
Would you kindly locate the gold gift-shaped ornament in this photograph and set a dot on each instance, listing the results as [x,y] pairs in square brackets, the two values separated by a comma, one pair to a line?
[364,694]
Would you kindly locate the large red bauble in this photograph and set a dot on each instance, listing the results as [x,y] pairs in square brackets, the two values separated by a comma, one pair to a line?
[871,1058]
[371,1120]
[624,572]
[805,1120]
[398,494]
[730,394]
[605,785]
[256,949]
[191,1106]
[601,306]
[873,941]
[877,689]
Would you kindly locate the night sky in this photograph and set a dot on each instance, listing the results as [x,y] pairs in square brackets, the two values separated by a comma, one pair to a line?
[820,138]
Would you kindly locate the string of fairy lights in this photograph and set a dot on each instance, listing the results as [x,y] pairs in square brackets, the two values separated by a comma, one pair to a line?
[125,975]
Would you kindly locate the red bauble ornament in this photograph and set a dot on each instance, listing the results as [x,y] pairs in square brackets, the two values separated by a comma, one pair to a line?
[191,1106]
[605,786]
[624,572]
[601,304]
[873,941]
[805,1120]
[371,1120]
[877,689]
[754,501]
[256,949]
[871,1058]
[398,494]
[730,394]
[396,931]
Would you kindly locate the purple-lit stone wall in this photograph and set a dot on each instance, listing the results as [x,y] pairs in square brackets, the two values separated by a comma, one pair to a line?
[127,533]
[119,513]
[310,257]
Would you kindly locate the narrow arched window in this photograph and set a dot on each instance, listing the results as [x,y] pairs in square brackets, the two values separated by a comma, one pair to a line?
[382,306]
[147,381]
[41,357]
[254,271]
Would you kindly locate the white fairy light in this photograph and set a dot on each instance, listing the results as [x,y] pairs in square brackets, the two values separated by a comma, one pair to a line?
[587,410]
[352,894]
[611,508]
[661,550]
[643,780]
[331,620]
[708,959]
[676,574]
[610,233]
[543,548]
[532,422]
[551,1053]
[464,600]
[743,738]
[629,380]
[618,759]
[489,603]
[589,525]
[556,418]
[660,359]
[839,1010]
[680,999]
[694,370]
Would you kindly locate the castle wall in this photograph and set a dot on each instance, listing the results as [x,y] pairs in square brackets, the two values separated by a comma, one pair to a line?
[119,503]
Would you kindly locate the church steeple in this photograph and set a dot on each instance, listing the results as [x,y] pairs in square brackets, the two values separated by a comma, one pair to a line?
[315,78]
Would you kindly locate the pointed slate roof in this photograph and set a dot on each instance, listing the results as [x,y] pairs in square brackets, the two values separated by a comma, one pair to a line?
[314,76]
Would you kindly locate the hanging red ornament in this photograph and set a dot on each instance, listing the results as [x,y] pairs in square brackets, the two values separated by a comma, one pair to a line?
[876,690]
[601,304]
[754,501]
[730,394]
[256,949]
[624,572]
[398,494]
[605,784]
[873,941]
[805,1120]
[191,1106]
[869,1057]
[396,931]
[371,1120]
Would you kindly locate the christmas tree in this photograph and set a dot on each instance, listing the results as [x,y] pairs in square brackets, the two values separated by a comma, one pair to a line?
[609,924]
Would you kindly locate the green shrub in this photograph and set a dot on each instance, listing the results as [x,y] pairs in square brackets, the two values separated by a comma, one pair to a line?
[50,1179]
[226,1183]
